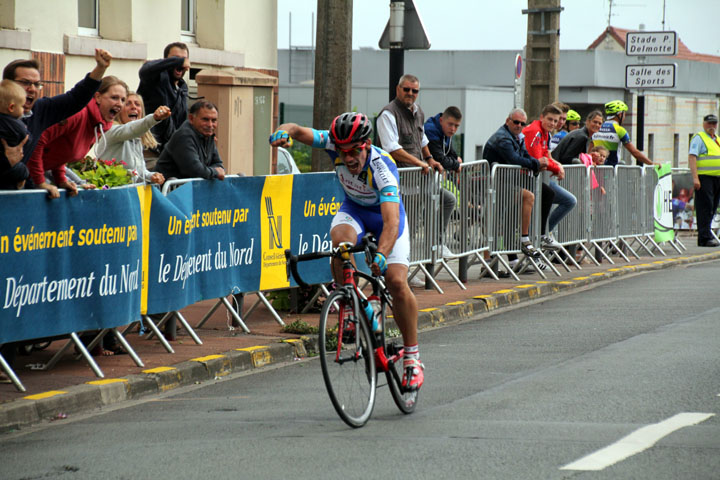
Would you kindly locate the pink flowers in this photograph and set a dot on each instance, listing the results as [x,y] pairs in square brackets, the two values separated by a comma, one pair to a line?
[113,162]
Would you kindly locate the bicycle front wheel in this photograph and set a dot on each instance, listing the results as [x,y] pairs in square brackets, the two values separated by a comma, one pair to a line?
[347,359]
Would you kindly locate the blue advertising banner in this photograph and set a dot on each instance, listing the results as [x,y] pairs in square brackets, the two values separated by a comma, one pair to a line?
[204,242]
[101,259]
[69,264]
[316,199]
[210,238]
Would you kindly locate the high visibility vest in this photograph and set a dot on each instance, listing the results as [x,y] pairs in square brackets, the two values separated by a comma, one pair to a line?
[709,163]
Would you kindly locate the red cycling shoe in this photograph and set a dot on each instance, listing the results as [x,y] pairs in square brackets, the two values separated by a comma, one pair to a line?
[413,369]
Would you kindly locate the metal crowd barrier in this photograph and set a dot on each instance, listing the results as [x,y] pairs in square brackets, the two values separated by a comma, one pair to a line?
[631,216]
[421,197]
[603,214]
[507,183]
[468,233]
[573,228]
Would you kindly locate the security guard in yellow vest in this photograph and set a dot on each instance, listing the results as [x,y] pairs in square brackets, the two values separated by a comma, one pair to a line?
[704,162]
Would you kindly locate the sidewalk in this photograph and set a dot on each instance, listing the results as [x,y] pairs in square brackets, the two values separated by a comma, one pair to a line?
[65,390]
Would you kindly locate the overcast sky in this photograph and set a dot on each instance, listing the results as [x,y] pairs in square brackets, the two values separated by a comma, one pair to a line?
[493,24]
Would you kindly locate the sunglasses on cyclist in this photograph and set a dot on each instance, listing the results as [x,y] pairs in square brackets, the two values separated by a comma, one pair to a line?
[573,123]
[518,122]
[414,90]
[353,151]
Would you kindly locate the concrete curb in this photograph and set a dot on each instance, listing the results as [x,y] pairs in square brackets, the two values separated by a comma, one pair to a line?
[96,394]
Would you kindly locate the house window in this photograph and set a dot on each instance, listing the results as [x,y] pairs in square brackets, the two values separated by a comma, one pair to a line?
[187,20]
[88,17]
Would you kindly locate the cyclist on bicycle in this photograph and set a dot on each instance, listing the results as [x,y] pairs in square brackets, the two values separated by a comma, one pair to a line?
[372,203]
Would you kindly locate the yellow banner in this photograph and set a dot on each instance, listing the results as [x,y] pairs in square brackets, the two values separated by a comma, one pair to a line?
[145,197]
[275,207]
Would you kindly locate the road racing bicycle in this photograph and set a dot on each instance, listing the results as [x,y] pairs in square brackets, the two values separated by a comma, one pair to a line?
[351,353]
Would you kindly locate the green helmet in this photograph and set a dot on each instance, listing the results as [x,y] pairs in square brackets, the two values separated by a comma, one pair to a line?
[615,107]
[573,116]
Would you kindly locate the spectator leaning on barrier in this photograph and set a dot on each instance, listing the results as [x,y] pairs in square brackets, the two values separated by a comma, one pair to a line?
[612,134]
[129,135]
[191,152]
[704,162]
[401,131]
[372,203]
[42,112]
[578,141]
[537,138]
[162,83]
[12,133]
[506,147]
[69,141]
[439,131]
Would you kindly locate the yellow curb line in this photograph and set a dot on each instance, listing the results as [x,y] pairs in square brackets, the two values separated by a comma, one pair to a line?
[459,302]
[431,309]
[40,396]
[206,358]
[107,381]
[252,349]
[159,370]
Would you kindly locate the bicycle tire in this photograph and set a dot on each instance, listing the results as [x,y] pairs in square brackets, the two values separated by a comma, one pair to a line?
[406,401]
[351,382]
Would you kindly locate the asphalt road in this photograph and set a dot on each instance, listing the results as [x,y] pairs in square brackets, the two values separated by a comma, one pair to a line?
[620,381]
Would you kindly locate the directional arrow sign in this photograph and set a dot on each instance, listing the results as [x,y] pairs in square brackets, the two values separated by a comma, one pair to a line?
[650,76]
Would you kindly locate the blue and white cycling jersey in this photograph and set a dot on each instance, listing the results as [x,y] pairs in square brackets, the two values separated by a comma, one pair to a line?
[377,182]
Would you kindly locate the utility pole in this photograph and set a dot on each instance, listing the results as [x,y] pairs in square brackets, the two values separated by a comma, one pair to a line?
[542,55]
[397,49]
[333,69]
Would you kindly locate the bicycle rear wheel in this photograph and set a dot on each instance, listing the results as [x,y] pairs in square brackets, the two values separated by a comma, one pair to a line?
[347,360]
[406,401]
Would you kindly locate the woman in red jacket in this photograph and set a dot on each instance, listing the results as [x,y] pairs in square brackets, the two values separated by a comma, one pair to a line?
[71,139]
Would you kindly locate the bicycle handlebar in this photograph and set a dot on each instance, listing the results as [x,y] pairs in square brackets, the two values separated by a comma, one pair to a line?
[367,245]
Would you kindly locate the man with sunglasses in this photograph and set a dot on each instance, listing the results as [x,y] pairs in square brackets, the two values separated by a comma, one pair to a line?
[506,146]
[162,83]
[704,163]
[401,131]
[372,203]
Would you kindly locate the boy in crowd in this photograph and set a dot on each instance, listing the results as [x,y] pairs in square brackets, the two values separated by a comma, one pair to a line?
[12,133]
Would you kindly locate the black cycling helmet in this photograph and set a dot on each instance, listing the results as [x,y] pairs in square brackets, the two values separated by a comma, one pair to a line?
[350,127]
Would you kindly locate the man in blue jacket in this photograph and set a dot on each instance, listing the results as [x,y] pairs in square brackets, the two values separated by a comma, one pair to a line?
[506,147]
[439,131]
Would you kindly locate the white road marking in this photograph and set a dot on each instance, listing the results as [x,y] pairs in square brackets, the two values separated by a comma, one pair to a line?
[641,439]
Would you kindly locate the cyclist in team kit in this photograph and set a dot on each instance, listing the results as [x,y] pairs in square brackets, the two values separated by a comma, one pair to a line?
[370,179]
[612,134]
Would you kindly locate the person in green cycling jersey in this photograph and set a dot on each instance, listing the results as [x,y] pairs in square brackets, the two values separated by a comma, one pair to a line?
[612,134]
